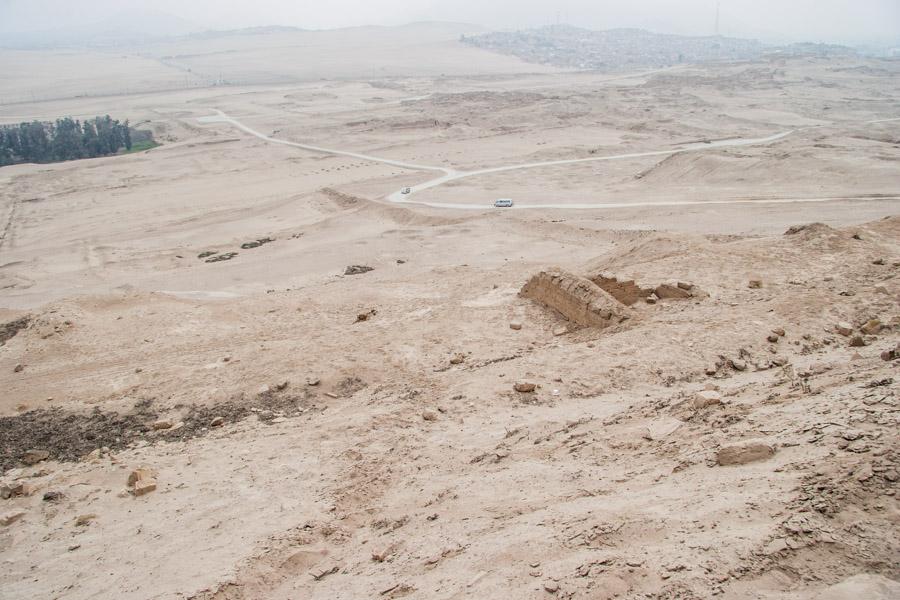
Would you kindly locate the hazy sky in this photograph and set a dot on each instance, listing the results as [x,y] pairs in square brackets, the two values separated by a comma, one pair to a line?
[825,20]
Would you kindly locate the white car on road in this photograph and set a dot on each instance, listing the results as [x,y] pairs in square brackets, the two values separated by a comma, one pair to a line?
[503,203]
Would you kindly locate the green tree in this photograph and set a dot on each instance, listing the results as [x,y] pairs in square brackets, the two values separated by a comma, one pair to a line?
[65,139]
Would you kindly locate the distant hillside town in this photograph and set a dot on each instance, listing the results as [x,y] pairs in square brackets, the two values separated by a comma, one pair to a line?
[571,47]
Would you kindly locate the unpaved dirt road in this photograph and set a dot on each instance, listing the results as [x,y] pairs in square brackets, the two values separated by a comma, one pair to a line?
[450,175]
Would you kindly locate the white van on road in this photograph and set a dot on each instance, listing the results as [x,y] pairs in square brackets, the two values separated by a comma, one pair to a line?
[503,203]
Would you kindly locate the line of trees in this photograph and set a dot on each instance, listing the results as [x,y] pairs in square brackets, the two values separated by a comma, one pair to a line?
[66,139]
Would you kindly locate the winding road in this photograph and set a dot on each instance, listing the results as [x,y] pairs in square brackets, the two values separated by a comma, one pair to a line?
[449,175]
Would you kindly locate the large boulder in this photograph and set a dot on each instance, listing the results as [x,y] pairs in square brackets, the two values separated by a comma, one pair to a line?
[744,452]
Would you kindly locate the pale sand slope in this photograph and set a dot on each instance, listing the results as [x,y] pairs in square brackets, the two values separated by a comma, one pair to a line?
[100,225]
[250,59]
[460,482]
[420,477]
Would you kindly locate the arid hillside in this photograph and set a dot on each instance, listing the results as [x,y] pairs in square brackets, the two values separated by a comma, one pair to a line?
[295,352]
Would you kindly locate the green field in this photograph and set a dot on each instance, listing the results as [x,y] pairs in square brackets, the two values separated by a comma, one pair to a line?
[142,146]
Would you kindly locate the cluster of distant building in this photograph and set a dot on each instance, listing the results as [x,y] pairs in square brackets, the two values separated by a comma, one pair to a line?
[575,48]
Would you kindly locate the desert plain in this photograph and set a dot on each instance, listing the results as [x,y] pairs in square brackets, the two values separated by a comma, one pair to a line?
[386,394]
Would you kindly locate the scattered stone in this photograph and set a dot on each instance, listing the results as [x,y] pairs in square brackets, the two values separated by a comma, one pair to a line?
[778,331]
[162,424]
[322,572]
[634,563]
[221,257]
[429,415]
[144,486]
[206,254]
[857,341]
[24,488]
[458,359]
[743,453]
[256,243]
[560,330]
[844,328]
[889,355]
[685,286]
[738,364]
[776,546]
[755,284]
[524,387]
[142,481]
[551,587]
[18,368]
[850,435]
[217,422]
[141,473]
[84,520]
[10,329]
[660,429]
[8,518]
[773,338]
[384,554]
[360,317]
[18,488]
[515,326]
[872,327]
[671,292]
[32,457]
[650,300]
[53,496]
[706,398]
[878,261]
[864,473]
[357,270]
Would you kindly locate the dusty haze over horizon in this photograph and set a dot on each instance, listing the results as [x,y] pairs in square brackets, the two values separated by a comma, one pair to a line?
[839,21]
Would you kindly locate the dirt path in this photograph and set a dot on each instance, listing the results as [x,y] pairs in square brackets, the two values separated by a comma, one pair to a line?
[450,175]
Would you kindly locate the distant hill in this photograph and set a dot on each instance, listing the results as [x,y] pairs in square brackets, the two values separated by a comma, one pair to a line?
[264,30]
[576,48]
[818,50]
[135,28]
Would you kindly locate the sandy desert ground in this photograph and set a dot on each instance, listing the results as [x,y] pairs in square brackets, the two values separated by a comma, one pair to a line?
[316,434]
